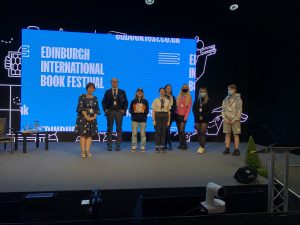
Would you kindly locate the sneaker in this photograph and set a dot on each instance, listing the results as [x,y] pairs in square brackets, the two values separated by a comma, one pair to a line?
[118,148]
[143,149]
[89,155]
[157,150]
[83,155]
[133,149]
[201,150]
[236,152]
[226,151]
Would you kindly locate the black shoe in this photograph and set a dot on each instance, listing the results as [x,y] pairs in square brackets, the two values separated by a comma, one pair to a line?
[118,148]
[184,147]
[157,150]
[179,147]
[163,150]
[226,151]
[236,152]
[109,148]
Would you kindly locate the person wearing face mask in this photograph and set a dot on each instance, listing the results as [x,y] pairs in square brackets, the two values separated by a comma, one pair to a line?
[161,119]
[183,107]
[139,109]
[172,99]
[231,113]
[202,115]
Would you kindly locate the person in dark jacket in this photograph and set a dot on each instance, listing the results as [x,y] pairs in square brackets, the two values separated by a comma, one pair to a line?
[202,115]
[114,105]
[172,99]
[139,109]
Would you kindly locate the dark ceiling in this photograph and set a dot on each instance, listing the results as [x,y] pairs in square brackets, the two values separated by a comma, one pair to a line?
[164,17]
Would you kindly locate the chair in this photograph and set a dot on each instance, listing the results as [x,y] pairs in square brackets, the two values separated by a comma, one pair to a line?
[4,138]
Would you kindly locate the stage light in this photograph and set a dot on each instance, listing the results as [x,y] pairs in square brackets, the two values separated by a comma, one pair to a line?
[149,2]
[233,7]
[212,204]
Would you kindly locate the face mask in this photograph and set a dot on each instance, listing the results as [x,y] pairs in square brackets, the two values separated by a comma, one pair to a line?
[230,92]
[184,90]
[202,94]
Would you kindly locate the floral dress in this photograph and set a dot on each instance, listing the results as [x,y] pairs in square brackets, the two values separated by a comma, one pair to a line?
[91,107]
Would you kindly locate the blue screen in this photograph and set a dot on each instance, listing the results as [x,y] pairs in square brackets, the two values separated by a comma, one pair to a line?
[57,65]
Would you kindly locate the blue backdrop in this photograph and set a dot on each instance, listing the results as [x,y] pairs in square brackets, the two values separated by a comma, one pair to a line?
[137,61]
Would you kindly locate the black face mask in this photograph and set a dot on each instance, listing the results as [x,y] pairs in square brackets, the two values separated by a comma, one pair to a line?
[185,90]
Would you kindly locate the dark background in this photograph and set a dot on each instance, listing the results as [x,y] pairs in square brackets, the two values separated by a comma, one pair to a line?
[257,48]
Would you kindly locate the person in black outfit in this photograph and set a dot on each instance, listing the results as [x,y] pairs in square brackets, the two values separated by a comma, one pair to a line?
[202,115]
[114,105]
[86,121]
[172,99]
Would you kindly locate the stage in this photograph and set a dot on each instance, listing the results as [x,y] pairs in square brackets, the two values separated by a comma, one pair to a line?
[61,168]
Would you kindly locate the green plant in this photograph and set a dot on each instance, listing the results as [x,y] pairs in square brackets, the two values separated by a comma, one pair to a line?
[251,158]
[262,172]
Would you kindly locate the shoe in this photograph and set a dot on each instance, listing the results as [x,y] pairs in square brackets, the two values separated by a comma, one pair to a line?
[179,147]
[236,152]
[143,149]
[118,148]
[133,149]
[83,155]
[109,149]
[162,149]
[157,150]
[88,154]
[226,151]
[201,150]
[184,147]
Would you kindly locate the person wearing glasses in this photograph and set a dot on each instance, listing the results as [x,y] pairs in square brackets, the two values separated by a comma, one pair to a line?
[114,104]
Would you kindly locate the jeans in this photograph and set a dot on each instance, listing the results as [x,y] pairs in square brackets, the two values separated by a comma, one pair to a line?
[135,126]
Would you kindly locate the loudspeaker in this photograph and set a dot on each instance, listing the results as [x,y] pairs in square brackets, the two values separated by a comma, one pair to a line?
[246,174]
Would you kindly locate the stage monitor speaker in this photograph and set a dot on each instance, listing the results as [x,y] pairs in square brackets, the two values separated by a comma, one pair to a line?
[246,174]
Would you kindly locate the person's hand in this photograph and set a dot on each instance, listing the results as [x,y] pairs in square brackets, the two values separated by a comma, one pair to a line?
[95,116]
[122,111]
[154,123]
[232,122]
[227,120]
[168,123]
[106,110]
[88,118]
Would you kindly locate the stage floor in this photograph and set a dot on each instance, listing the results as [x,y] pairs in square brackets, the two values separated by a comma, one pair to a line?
[61,168]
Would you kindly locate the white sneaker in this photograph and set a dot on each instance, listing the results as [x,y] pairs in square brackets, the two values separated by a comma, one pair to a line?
[143,149]
[201,150]
[133,148]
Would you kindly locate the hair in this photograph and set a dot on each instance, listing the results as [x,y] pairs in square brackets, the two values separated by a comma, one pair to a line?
[188,95]
[161,88]
[206,98]
[136,97]
[232,86]
[168,85]
[90,85]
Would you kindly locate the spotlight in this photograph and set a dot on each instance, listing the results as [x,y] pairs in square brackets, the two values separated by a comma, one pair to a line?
[149,2]
[212,204]
[233,7]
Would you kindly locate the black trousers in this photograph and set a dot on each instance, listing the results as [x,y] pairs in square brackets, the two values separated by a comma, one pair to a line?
[161,120]
[111,117]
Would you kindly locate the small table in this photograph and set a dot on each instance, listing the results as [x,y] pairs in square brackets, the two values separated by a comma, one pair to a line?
[25,134]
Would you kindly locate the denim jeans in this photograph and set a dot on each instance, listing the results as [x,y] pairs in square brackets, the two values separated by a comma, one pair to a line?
[135,126]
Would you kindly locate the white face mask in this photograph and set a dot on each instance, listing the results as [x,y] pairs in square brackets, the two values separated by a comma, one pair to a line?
[230,92]
[202,94]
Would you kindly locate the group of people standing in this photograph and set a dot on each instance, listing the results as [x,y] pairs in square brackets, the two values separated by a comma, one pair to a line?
[166,109]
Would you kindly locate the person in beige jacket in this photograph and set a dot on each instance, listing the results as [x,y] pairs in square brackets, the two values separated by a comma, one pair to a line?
[231,113]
